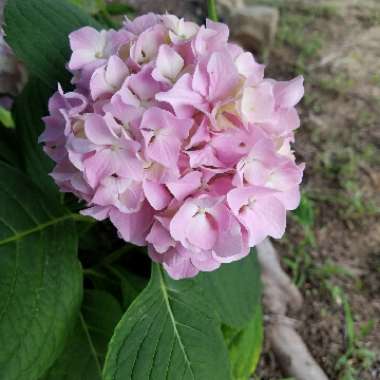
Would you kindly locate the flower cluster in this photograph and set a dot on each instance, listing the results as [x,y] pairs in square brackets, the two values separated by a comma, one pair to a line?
[174,134]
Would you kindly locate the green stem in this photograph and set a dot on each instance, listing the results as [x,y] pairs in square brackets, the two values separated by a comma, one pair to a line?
[115,255]
[212,12]
[82,218]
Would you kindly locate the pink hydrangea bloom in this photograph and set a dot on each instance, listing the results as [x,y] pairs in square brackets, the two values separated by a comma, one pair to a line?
[176,136]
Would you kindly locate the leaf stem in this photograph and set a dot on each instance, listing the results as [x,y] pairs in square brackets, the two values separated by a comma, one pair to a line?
[115,255]
[90,343]
[83,218]
[212,12]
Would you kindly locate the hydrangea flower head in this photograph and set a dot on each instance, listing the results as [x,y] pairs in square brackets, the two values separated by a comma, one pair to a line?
[174,134]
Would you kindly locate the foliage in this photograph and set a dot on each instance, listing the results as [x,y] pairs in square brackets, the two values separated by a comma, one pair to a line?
[66,282]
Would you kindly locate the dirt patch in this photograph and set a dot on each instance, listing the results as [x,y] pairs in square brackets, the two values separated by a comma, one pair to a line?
[336,257]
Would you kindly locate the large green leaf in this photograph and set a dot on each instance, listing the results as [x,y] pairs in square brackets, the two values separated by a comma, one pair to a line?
[130,283]
[28,110]
[78,359]
[245,346]
[234,289]
[85,349]
[169,332]
[101,312]
[37,30]
[40,277]
[8,147]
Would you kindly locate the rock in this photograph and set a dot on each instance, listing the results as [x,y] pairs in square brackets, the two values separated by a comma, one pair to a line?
[280,295]
[190,9]
[253,27]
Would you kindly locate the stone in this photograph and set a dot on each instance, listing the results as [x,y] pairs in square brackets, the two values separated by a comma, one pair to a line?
[254,27]
[194,10]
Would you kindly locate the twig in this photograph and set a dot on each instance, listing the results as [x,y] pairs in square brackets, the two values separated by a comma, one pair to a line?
[279,295]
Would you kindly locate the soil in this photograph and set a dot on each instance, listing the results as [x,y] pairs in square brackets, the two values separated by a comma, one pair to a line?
[336,46]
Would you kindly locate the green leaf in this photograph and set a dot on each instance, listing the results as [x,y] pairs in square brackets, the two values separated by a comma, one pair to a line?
[305,211]
[234,290]
[131,284]
[245,346]
[6,118]
[40,277]
[37,31]
[85,349]
[169,332]
[28,110]
[78,360]
[101,312]
[8,147]
[119,9]
[90,6]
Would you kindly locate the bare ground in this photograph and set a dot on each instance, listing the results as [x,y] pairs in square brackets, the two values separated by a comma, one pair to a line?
[332,247]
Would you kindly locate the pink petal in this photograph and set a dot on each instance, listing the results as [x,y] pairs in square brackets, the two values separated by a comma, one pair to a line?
[168,64]
[223,76]
[98,166]
[164,150]
[84,38]
[181,219]
[143,84]
[184,186]
[204,261]
[249,68]
[179,266]
[160,238]
[288,94]
[201,231]
[267,218]
[286,176]
[97,130]
[239,197]
[182,97]
[133,227]
[257,104]
[157,119]
[80,58]
[141,23]
[230,245]
[97,212]
[108,79]
[204,157]
[128,165]
[200,81]
[290,198]
[156,194]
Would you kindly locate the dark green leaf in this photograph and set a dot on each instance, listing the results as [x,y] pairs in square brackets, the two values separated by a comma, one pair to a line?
[38,30]
[101,312]
[131,284]
[245,346]
[234,290]
[28,110]
[169,332]
[8,147]
[40,278]
[78,360]
[117,9]
[85,349]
